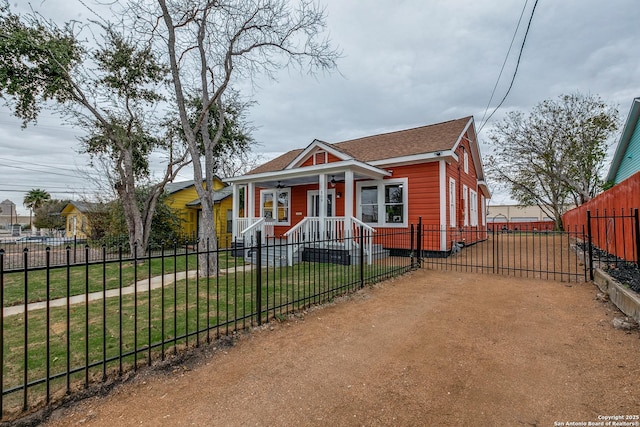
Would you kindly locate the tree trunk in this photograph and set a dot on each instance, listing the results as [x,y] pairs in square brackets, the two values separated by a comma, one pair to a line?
[208,239]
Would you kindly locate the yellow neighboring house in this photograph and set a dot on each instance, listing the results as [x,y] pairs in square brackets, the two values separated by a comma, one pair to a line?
[77,224]
[182,197]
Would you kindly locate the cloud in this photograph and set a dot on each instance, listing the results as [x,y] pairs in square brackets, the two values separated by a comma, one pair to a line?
[409,63]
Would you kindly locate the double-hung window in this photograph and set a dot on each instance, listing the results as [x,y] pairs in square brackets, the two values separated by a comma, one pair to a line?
[452,203]
[473,207]
[383,203]
[275,205]
[465,204]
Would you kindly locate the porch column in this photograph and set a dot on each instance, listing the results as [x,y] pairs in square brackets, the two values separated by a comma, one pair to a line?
[348,207]
[235,198]
[322,204]
[251,200]
[348,195]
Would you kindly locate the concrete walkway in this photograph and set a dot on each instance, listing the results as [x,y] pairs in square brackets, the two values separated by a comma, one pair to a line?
[140,286]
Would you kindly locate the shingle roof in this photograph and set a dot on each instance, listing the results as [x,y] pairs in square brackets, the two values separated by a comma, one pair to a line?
[85,207]
[173,187]
[278,163]
[218,196]
[420,140]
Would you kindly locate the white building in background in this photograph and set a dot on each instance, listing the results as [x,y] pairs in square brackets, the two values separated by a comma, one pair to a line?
[515,213]
[9,216]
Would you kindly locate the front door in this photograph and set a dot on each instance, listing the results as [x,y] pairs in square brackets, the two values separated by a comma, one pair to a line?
[313,203]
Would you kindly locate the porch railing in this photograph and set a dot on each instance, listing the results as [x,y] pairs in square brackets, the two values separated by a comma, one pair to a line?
[366,237]
[335,229]
[247,228]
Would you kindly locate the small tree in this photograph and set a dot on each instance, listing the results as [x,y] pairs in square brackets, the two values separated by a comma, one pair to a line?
[48,215]
[112,91]
[33,200]
[555,154]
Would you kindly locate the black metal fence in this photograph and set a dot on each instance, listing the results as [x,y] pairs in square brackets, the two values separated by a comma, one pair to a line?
[76,250]
[614,238]
[66,327]
[548,255]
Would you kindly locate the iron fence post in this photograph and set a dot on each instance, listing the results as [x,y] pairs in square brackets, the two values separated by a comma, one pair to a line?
[637,225]
[496,236]
[361,257]
[411,254]
[1,329]
[590,244]
[25,372]
[259,276]
[419,243]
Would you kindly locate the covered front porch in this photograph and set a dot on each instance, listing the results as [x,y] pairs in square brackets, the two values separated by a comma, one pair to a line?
[307,207]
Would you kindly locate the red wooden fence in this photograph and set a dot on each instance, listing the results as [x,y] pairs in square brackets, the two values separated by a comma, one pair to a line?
[613,226]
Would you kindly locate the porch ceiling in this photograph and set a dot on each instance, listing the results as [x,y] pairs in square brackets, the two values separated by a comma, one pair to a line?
[309,175]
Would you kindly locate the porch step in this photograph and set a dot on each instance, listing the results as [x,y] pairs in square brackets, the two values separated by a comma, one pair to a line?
[273,255]
[276,254]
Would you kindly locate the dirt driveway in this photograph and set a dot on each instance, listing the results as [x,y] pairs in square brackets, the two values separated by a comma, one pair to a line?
[429,349]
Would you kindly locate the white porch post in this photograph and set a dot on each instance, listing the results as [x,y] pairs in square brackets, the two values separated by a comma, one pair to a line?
[322,204]
[348,207]
[443,205]
[251,200]
[235,199]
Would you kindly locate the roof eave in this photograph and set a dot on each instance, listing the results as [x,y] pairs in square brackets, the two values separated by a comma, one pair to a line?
[299,159]
[625,138]
[326,168]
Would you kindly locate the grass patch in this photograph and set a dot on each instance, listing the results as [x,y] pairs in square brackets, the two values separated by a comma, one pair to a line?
[92,277]
[86,343]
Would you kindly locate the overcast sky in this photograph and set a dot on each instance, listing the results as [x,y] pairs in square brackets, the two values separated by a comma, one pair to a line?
[406,63]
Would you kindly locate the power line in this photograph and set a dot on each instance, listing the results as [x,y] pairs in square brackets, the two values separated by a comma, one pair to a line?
[37,170]
[506,57]
[38,164]
[515,72]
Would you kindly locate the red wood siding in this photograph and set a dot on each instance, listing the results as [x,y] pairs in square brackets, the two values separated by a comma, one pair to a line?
[423,192]
[330,158]
[621,199]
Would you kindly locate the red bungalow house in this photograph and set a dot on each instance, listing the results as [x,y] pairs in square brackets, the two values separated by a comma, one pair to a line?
[375,183]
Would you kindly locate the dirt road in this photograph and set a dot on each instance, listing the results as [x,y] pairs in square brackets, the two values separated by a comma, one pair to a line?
[431,348]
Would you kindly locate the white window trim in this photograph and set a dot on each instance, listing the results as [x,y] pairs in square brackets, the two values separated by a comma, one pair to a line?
[381,204]
[483,208]
[473,207]
[465,204]
[326,157]
[452,203]
[330,192]
[466,162]
[274,192]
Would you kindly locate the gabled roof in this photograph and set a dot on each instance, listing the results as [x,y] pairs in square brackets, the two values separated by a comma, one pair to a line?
[315,146]
[83,207]
[378,148]
[218,196]
[409,142]
[174,187]
[625,139]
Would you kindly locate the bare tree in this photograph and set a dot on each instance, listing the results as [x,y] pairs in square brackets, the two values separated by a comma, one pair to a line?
[554,155]
[208,44]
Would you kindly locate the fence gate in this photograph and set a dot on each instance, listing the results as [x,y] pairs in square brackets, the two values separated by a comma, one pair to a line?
[548,255]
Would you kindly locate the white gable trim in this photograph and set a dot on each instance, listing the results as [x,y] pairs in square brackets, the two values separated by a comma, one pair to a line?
[360,168]
[311,148]
[475,149]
